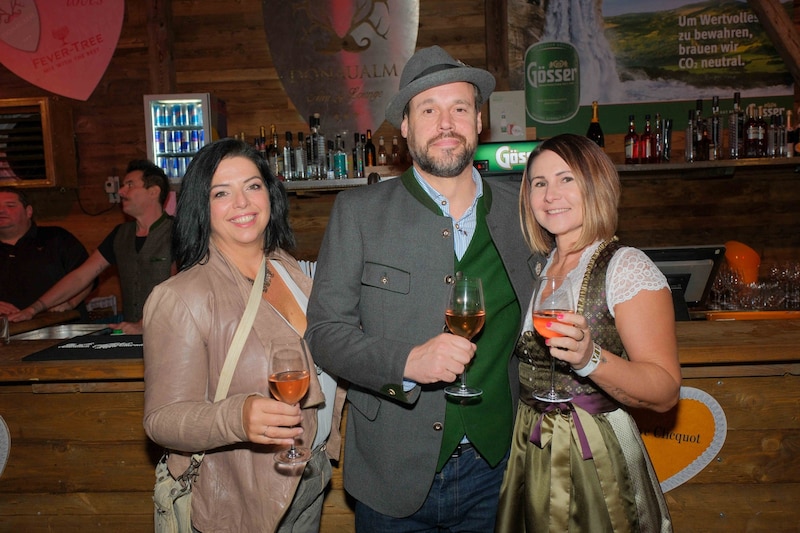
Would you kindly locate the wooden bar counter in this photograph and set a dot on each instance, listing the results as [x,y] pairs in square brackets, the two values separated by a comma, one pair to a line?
[80,461]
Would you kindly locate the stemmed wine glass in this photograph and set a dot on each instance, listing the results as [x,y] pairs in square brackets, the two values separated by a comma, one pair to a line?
[288,382]
[465,316]
[553,296]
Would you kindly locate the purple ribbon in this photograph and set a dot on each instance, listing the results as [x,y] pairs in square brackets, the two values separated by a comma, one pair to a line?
[591,403]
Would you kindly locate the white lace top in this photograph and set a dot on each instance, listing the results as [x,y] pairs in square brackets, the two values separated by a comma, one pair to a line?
[629,272]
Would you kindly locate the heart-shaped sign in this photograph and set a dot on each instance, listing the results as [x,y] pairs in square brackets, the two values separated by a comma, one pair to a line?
[19,24]
[62,47]
[341,58]
[684,440]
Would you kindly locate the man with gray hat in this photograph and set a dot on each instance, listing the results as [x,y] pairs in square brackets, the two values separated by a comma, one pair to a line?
[416,460]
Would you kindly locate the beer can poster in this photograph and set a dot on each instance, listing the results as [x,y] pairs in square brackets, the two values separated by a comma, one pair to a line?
[552,82]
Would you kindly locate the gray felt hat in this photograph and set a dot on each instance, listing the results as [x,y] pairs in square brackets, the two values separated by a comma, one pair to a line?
[431,67]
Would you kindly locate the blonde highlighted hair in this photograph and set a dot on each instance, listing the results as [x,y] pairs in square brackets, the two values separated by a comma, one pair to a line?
[598,181]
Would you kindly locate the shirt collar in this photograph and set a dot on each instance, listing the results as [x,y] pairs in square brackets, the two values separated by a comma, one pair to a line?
[441,200]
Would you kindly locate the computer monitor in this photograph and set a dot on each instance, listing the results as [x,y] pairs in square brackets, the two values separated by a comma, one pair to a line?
[690,272]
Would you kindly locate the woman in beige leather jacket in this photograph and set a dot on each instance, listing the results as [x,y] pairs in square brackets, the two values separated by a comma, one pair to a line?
[231,212]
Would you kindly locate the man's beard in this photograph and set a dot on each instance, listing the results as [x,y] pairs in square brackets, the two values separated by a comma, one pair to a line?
[451,164]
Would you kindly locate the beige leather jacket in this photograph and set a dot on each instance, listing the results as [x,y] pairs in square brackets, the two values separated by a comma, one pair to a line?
[189,322]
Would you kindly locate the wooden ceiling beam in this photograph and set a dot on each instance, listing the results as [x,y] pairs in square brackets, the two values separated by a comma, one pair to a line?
[781,30]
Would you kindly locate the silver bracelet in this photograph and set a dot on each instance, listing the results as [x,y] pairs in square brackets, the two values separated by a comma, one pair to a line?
[591,366]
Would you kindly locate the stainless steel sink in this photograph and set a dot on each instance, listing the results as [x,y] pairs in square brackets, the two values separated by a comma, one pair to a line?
[63,331]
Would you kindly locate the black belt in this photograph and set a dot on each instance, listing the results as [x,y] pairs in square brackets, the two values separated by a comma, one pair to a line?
[460,450]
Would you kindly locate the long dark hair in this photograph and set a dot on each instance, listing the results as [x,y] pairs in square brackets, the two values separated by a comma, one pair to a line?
[192,226]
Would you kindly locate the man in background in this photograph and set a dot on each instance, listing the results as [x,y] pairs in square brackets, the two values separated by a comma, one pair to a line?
[33,258]
[140,248]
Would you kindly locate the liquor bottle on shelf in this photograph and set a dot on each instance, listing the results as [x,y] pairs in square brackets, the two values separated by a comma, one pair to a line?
[370,156]
[780,150]
[791,135]
[595,132]
[703,145]
[666,153]
[772,136]
[658,139]
[300,158]
[358,156]
[631,142]
[698,114]
[395,160]
[382,157]
[288,158]
[339,160]
[275,154]
[321,150]
[762,127]
[689,154]
[261,142]
[316,149]
[751,133]
[646,140]
[330,173]
[716,130]
[735,129]
[699,126]
[780,136]
[310,170]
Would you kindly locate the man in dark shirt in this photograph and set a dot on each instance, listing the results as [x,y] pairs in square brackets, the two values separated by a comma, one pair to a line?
[140,248]
[33,258]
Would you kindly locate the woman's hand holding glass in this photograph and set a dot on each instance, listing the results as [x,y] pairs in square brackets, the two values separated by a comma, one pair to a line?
[289,377]
[573,344]
[269,421]
[554,318]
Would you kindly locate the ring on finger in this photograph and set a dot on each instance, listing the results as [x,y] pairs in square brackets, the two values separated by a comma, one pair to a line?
[583,335]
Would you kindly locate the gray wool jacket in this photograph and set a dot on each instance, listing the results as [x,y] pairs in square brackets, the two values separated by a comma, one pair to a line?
[380,288]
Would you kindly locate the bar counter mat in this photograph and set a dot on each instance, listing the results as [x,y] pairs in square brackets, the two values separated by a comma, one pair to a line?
[92,347]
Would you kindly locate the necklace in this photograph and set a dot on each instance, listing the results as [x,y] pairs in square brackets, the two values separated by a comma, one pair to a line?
[267,278]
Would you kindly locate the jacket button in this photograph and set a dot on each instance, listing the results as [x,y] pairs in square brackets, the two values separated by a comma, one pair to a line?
[392,392]
[437,426]
[449,279]
[445,233]
[384,279]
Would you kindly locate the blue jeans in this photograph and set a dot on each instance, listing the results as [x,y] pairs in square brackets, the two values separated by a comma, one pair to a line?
[463,498]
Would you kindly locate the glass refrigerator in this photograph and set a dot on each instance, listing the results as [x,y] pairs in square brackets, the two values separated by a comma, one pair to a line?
[178,125]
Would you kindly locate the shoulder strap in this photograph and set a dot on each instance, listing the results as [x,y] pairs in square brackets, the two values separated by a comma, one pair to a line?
[235,349]
[241,335]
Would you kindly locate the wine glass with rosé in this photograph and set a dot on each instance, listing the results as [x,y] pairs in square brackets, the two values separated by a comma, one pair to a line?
[465,316]
[289,377]
[553,297]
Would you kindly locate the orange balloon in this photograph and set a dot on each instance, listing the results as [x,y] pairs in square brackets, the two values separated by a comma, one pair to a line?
[743,259]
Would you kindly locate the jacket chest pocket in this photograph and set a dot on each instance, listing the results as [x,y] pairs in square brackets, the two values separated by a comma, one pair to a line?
[386,278]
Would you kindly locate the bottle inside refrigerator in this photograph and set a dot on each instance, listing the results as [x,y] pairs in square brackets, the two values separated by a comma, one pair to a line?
[178,125]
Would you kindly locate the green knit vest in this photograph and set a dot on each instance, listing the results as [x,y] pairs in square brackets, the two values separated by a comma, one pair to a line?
[487,421]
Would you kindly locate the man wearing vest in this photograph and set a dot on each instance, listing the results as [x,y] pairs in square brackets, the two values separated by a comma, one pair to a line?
[141,249]
[414,459]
